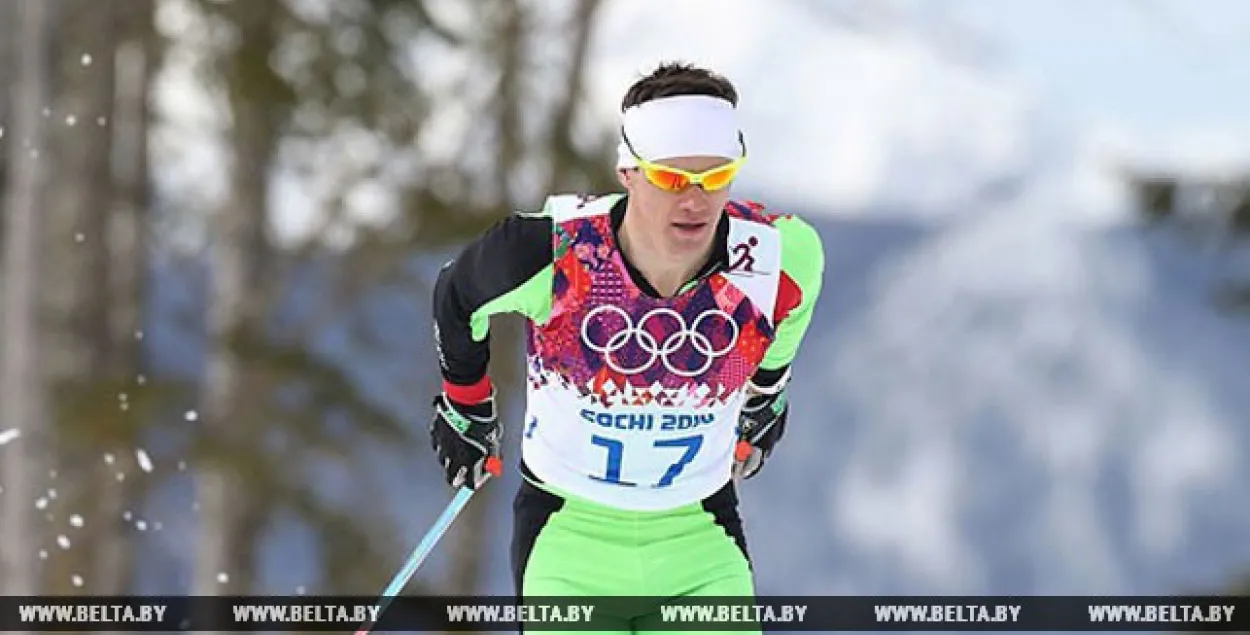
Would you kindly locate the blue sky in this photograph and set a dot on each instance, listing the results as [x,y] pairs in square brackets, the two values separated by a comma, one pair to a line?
[1151,63]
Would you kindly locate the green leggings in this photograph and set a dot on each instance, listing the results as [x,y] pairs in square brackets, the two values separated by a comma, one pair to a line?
[567,546]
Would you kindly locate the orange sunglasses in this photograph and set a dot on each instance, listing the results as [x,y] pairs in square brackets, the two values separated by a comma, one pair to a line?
[671,179]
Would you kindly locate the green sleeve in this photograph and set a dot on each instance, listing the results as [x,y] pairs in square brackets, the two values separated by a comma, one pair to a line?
[532,299]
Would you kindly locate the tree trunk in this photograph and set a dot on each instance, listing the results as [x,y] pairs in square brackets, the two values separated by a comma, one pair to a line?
[8,66]
[74,289]
[238,245]
[127,245]
[22,397]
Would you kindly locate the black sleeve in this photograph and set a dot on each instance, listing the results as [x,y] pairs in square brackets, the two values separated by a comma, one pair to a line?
[508,254]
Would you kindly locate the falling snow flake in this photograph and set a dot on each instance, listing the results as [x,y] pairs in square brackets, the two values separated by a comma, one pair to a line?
[144,462]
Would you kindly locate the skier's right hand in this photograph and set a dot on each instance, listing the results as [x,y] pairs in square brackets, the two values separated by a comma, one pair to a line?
[466,439]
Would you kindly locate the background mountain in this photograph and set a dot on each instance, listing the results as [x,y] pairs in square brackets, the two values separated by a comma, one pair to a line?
[1006,405]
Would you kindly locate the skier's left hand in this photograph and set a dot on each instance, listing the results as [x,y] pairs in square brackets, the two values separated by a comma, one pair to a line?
[760,426]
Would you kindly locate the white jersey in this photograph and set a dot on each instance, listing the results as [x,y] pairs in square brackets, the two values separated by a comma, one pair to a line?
[633,400]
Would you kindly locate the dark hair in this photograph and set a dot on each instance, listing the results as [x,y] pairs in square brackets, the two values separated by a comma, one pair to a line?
[679,78]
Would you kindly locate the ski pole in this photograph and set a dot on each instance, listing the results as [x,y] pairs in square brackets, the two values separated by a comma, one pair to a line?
[427,543]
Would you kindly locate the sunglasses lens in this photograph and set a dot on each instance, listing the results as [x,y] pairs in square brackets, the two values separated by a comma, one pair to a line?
[667,180]
[719,179]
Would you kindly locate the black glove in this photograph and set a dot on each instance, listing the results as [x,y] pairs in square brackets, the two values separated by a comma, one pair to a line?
[761,425]
[464,437]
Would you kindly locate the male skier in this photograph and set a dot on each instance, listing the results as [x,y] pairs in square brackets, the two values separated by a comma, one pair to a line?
[662,324]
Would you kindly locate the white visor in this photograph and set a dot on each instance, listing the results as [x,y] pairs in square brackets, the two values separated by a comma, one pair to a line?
[680,126]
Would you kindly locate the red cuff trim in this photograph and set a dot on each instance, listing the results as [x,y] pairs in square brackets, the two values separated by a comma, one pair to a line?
[470,394]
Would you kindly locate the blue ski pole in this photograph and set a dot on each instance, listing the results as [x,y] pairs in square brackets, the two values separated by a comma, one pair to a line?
[427,543]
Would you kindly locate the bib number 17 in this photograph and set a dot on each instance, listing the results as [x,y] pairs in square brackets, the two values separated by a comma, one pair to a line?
[689,447]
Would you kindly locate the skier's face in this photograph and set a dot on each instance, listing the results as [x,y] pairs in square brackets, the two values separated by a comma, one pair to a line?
[681,222]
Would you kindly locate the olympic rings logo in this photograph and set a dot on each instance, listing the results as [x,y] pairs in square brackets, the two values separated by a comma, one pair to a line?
[646,342]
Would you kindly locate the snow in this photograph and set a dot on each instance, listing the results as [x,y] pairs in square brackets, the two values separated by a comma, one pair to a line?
[145,463]
[9,435]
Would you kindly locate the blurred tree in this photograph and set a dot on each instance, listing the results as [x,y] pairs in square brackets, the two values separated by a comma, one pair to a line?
[75,262]
[93,255]
[237,245]
[8,51]
[336,95]
[242,490]
[22,396]
[1155,195]
[1216,207]
[133,55]
[90,252]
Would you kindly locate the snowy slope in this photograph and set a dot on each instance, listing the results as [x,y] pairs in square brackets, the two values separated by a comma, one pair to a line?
[1015,405]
